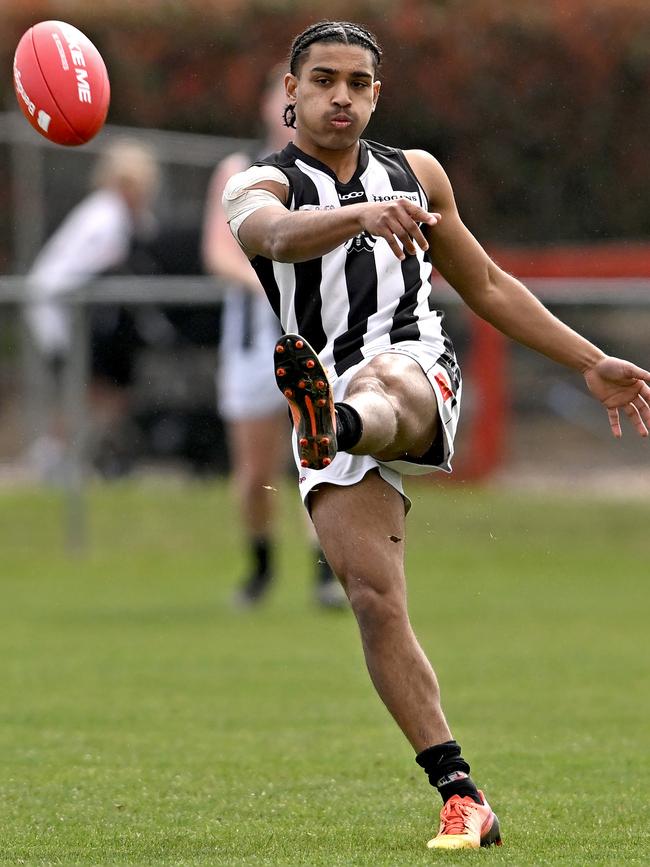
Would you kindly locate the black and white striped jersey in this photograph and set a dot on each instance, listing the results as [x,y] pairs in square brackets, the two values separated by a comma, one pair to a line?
[359,296]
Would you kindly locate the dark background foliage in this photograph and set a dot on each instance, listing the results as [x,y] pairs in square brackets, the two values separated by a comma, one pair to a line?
[538,111]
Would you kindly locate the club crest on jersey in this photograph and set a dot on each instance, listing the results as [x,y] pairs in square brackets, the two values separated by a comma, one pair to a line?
[363,242]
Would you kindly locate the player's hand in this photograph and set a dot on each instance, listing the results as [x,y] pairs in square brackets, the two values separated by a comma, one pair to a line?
[398,221]
[620,385]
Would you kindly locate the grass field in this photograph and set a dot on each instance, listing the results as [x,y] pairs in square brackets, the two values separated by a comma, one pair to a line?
[146,722]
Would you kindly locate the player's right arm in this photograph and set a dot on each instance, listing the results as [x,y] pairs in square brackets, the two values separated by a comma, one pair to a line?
[271,230]
[221,254]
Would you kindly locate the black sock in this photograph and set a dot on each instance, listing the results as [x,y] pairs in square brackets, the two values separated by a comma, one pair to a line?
[260,549]
[324,572]
[349,426]
[448,772]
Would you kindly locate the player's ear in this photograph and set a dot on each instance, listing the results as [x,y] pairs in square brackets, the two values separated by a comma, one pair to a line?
[290,85]
[376,87]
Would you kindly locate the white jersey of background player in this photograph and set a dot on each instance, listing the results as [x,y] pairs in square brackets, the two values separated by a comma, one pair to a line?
[93,239]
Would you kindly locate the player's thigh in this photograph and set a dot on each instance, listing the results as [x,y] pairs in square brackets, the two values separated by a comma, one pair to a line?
[361,530]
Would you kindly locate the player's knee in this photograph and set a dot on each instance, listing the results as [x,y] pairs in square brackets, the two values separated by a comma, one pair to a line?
[401,384]
[413,411]
[379,376]
[374,608]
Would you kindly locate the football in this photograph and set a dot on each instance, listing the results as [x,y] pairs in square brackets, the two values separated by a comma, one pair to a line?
[61,83]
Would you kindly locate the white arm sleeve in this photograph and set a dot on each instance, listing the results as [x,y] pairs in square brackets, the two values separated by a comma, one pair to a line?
[239,201]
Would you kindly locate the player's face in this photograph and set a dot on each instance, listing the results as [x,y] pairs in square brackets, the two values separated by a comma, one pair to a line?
[335,93]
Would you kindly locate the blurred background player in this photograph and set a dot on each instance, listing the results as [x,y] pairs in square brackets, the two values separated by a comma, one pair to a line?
[96,238]
[253,410]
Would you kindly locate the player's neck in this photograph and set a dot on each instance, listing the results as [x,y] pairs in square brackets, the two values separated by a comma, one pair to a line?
[342,162]
[277,142]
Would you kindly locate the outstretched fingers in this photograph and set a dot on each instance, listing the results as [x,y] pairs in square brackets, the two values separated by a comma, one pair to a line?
[622,386]
[400,225]
[410,235]
[637,411]
[615,423]
[399,239]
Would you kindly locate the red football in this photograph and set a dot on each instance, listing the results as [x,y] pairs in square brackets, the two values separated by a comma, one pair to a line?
[61,83]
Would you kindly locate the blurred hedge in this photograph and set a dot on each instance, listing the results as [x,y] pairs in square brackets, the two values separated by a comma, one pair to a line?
[539,111]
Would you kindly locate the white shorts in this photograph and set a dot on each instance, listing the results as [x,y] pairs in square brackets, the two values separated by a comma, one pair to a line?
[347,469]
[245,378]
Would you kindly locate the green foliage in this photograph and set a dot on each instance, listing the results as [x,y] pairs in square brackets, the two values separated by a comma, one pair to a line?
[539,111]
[144,721]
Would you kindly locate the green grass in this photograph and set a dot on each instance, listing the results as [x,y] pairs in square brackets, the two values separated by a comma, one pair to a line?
[143,721]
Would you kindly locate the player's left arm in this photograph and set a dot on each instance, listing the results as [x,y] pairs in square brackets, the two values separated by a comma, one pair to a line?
[506,303]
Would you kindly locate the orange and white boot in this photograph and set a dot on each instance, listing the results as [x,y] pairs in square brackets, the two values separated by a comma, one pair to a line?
[302,379]
[464,824]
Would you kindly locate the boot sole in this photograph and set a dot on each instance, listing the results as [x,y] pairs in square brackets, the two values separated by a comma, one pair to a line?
[303,380]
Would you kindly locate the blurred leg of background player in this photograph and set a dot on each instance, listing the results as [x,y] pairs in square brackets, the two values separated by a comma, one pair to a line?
[115,343]
[255,414]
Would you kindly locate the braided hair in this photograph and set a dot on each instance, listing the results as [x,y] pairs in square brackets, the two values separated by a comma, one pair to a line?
[344,32]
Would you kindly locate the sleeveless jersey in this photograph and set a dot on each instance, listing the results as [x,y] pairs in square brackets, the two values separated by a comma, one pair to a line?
[359,297]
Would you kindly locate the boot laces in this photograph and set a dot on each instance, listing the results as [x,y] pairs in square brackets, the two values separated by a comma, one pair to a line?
[455,816]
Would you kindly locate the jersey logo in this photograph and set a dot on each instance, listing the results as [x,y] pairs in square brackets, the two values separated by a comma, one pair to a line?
[363,242]
[316,208]
[398,194]
[444,387]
